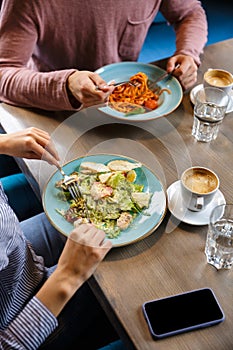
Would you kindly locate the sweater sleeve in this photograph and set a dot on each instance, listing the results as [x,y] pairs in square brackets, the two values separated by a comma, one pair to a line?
[19,84]
[26,88]
[30,328]
[189,20]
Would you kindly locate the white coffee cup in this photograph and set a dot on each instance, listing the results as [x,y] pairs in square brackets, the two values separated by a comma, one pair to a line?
[219,78]
[198,187]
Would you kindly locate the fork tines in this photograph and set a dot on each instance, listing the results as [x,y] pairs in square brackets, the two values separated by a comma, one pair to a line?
[76,194]
[71,183]
[74,190]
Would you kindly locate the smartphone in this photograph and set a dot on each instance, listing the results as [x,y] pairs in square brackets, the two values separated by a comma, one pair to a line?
[182,312]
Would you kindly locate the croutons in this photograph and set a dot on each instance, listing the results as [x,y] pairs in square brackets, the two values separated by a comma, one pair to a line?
[124,220]
[142,199]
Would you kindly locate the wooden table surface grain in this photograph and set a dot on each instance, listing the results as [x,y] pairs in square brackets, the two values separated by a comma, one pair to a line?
[171,260]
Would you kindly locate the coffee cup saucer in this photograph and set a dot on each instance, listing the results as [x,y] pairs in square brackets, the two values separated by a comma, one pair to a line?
[196,88]
[178,210]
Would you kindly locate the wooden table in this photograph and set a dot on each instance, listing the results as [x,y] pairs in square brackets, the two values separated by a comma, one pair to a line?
[171,260]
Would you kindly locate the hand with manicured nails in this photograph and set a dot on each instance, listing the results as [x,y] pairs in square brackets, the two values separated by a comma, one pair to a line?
[31,143]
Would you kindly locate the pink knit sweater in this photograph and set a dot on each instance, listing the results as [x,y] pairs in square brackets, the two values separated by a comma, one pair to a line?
[42,42]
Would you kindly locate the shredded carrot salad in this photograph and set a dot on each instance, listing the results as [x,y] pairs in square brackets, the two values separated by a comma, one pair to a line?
[126,97]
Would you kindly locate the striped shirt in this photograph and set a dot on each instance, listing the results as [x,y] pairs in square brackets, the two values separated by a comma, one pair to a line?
[24,321]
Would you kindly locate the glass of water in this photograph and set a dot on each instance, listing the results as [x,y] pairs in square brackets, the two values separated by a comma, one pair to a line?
[219,241]
[209,110]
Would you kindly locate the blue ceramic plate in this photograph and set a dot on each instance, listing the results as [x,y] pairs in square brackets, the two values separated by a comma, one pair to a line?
[124,70]
[142,226]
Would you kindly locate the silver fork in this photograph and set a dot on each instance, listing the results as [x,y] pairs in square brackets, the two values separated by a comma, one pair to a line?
[111,83]
[152,84]
[73,187]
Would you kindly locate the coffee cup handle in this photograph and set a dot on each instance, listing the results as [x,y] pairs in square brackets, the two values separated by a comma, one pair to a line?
[199,203]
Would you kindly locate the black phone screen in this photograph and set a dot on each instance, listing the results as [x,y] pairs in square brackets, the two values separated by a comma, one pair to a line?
[187,311]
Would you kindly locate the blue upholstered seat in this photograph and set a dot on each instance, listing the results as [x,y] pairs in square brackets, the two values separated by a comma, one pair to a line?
[117,345]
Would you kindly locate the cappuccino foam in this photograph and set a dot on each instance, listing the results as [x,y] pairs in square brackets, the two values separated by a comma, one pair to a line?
[200,181]
[220,81]
[218,78]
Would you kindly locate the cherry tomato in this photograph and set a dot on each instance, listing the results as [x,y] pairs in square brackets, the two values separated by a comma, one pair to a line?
[151,104]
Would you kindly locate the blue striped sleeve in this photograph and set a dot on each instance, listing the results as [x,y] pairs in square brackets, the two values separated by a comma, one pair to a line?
[30,328]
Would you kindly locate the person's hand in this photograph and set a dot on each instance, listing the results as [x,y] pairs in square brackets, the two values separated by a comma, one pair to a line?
[186,73]
[82,85]
[30,143]
[85,248]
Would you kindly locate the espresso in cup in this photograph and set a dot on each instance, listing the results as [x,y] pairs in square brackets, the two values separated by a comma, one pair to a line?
[219,78]
[198,187]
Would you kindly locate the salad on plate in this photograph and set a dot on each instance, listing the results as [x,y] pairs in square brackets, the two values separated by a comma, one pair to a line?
[111,196]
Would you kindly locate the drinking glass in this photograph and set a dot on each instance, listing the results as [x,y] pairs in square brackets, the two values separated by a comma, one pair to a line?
[219,241]
[209,110]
